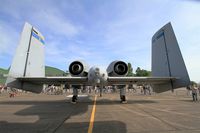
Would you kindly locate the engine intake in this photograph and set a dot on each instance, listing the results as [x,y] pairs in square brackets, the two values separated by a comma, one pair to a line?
[117,68]
[78,68]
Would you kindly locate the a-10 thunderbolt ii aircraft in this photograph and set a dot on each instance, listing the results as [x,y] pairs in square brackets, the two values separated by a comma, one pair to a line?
[27,71]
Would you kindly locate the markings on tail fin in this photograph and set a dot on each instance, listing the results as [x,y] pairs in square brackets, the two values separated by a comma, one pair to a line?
[160,35]
[39,38]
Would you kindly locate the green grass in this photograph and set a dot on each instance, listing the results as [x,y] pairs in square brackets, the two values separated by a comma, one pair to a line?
[52,71]
[2,81]
[49,71]
[2,72]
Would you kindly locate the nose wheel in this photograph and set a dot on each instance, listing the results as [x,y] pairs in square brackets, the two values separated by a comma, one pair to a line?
[101,91]
[74,99]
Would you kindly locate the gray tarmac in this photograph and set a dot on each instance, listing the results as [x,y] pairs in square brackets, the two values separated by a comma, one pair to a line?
[41,113]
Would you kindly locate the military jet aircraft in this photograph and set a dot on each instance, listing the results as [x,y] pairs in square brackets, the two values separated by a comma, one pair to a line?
[27,71]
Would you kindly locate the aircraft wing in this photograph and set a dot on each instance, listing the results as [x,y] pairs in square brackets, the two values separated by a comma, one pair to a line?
[84,80]
[140,80]
[54,80]
[159,84]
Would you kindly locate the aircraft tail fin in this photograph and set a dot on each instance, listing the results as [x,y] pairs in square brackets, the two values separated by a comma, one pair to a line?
[28,60]
[167,60]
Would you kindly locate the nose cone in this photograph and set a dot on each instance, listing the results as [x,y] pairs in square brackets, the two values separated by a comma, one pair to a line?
[97,71]
[97,76]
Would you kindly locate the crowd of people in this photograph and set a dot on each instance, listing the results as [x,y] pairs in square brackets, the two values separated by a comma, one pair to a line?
[12,92]
[57,90]
[193,90]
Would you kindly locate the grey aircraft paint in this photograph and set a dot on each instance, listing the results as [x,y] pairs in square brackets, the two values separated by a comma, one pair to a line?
[28,60]
[167,60]
[27,71]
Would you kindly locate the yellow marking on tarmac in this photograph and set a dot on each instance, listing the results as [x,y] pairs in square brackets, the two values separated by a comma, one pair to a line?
[92,116]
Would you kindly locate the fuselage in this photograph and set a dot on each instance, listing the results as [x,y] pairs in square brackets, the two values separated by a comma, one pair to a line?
[95,75]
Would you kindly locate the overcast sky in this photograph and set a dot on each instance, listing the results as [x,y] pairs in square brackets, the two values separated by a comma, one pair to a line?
[100,31]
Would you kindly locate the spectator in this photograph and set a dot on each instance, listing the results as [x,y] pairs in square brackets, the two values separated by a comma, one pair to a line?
[194,92]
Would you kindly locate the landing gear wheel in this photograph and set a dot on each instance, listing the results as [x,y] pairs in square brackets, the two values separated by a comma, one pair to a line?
[123,99]
[74,99]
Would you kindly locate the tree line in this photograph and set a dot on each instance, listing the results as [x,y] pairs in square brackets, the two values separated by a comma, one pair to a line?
[139,72]
[145,73]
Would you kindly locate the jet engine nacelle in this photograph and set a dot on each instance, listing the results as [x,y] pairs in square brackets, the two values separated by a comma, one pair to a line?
[78,68]
[117,68]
